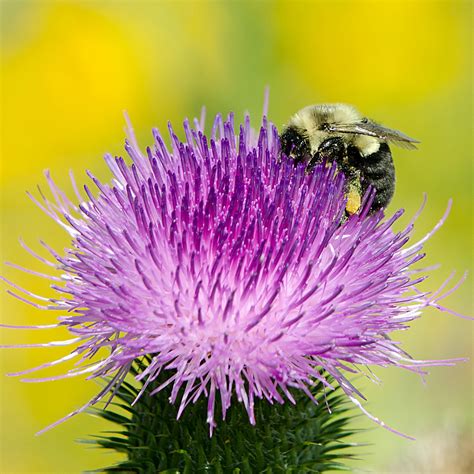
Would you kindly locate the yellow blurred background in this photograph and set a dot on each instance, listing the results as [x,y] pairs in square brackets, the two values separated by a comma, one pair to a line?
[70,68]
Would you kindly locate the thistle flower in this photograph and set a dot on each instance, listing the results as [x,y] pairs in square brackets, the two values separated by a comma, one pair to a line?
[232,270]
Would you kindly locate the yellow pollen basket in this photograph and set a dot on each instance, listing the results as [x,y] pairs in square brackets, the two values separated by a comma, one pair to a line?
[353,200]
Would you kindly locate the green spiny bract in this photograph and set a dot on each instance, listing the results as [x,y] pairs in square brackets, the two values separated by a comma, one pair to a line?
[305,438]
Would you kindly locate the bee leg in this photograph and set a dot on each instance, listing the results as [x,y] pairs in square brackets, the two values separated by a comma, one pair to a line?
[313,162]
[332,149]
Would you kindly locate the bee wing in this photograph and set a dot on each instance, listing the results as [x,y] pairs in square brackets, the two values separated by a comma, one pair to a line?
[372,129]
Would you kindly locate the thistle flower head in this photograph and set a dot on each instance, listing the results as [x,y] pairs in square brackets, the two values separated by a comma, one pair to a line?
[232,270]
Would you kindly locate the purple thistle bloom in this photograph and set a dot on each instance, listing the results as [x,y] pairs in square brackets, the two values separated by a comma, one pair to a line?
[230,268]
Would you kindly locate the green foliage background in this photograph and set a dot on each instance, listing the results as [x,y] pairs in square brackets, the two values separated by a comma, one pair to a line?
[70,68]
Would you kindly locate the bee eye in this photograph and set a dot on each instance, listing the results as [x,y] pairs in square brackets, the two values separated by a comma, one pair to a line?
[325,127]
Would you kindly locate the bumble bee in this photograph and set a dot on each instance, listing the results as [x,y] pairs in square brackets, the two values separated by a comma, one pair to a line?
[338,133]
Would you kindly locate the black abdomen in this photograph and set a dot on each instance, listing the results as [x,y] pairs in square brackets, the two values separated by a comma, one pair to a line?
[376,170]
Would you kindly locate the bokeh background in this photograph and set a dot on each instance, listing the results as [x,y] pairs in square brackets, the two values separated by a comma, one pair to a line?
[69,69]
